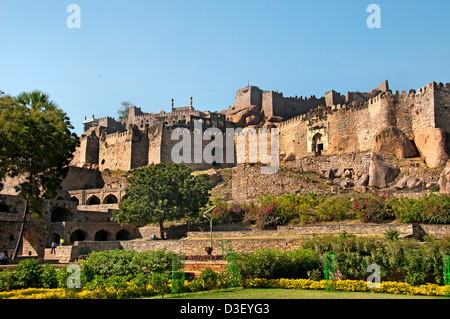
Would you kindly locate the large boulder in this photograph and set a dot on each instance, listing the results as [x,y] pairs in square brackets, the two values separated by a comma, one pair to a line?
[380,173]
[364,181]
[389,140]
[274,119]
[252,119]
[444,180]
[240,114]
[401,184]
[412,182]
[342,144]
[431,145]
[329,175]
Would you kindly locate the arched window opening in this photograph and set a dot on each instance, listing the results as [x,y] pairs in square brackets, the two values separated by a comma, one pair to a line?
[77,235]
[75,200]
[101,235]
[123,234]
[110,199]
[93,200]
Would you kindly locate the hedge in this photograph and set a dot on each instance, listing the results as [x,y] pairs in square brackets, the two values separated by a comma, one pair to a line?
[390,287]
[132,290]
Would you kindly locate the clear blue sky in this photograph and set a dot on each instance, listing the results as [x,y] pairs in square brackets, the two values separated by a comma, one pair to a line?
[148,52]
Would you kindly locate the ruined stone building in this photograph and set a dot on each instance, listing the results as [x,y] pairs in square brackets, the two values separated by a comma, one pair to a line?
[141,139]
[81,211]
[406,124]
[400,124]
[333,124]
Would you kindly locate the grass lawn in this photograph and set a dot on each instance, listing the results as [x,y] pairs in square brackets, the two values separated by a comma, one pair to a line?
[261,293]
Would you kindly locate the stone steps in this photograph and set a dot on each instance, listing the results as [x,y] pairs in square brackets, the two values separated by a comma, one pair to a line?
[195,265]
[62,255]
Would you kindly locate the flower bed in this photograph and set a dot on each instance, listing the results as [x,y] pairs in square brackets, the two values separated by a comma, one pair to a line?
[132,290]
[391,287]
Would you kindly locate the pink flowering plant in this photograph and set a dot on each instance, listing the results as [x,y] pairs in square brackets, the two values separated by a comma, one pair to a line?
[429,209]
[374,208]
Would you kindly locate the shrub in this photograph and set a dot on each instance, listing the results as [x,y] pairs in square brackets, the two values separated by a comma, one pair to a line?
[125,263]
[209,279]
[232,214]
[113,287]
[334,209]
[257,264]
[296,264]
[399,260]
[28,274]
[61,277]
[433,209]
[315,274]
[373,208]
[48,277]
[6,280]
[270,263]
[268,216]
[391,234]
[160,283]
[251,211]
[271,211]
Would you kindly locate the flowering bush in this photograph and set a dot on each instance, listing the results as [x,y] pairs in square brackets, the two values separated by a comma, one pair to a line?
[268,216]
[432,209]
[350,285]
[270,211]
[374,208]
[224,214]
[232,213]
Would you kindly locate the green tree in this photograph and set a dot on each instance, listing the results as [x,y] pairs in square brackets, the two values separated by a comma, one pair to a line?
[124,109]
[36,146]
[160,193]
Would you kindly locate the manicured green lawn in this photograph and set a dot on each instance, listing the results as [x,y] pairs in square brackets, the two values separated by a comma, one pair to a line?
[258,293]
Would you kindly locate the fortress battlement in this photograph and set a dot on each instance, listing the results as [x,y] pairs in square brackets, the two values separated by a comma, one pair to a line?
[334,123]
[116,135]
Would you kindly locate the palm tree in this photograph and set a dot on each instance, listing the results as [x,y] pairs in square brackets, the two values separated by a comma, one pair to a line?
[37,145]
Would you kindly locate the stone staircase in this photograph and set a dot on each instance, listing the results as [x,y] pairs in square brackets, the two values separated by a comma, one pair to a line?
[62,255]
[193,268]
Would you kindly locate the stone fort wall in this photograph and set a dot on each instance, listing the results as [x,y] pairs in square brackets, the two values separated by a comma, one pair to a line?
[352,127]
[313,124]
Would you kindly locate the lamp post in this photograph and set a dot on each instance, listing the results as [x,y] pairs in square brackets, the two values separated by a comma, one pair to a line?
[210,229]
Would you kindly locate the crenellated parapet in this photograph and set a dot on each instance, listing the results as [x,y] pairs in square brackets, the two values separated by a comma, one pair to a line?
[304,125]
